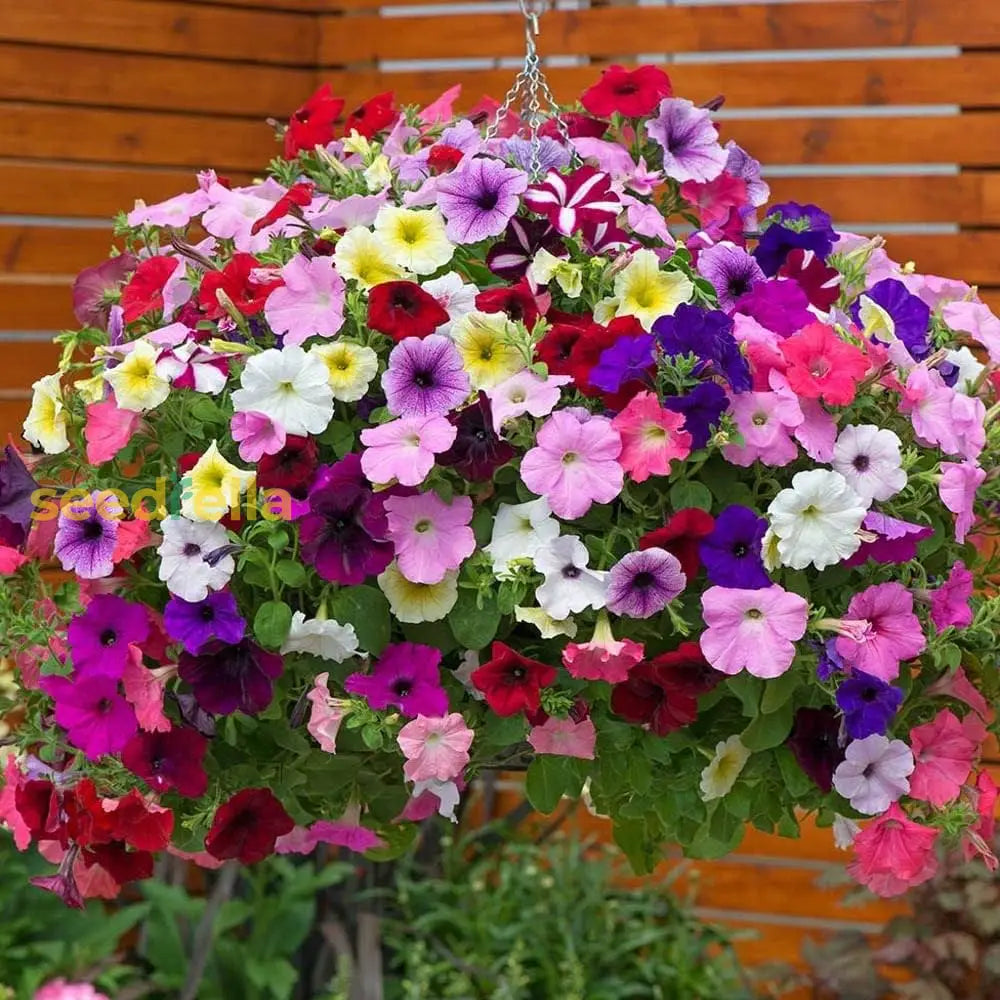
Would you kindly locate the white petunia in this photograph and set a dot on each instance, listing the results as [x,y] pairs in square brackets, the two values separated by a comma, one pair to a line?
[322,637]
[519,532]
[844,832]
[446,792]
[969,368]
[291,387]
[45,425]
[817,520]
[725,767]
[455,296]
[569,586]
[874,773]
[869,458]
[548,627]
[189,562]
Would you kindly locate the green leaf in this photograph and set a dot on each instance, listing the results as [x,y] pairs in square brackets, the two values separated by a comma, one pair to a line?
[690,494]
[271,623]
[748,689]
[778,690]
[368,611]
[339,436]
[291,573]
[766,731]
[548,779]
[474,627]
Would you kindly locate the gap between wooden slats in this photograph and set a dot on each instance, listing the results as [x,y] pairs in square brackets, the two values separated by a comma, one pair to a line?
[617,32]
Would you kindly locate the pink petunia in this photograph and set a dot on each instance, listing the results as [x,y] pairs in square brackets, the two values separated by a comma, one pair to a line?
[652,437]
[752,630]
[326,715]
[894,633]
[435,748]
[311,303]
[958,486]
[522,393]
[108,430]
[950,602]
[766,421]
[979,838]
[11,560]
[175,212]
[564,738]
[944,752]
[975,319]
[144,691]
[604,658]
[431,537]
[404,449]
[258,435]
[958,686]
[953,421]
[893,854]
[574,463]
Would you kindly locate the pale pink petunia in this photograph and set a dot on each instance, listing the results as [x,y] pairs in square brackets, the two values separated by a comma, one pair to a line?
[953,421]
[524,392]
[108,430]
[766,421]
[258,435]
[310,303]
[894,632]
[893,854]
[355,210]
[574,463]
[943,751]
[975,319]
[652,437]
[752,630]
[404,449]
[564,738]
[326,715]
[175,212]
[604,658]
[435,748]
[234,212]
[818,431]
[430,536]
[950,602]
[958,486]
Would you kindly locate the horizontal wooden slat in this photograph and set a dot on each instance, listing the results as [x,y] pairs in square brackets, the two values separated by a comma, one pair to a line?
[12,414]
[800,83]
[178,29]
[161,139]
[51,249]
[301,6]
[616,32]
[991,296]
[972,257]
[23,361]
[36,305]
[122,80]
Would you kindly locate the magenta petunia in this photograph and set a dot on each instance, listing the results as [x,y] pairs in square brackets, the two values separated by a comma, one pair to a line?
[97,719]
[406,675]
[894,631]
[950,602]
[99,638]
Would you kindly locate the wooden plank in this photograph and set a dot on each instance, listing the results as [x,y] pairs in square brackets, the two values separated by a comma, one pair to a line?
[51,132]
[165,83]
[79,191]
[850,82]
[973,257]
[614,32]
[178,29]
[36,305]
[12,414]
[991,296]
[295,6]
[24,361]
[51,249]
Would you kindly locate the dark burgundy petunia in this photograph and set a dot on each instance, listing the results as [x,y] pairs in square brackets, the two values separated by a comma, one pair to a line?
[312,124]
[226,679]
[292,469]
[171,760]
[819,281]
[512,683]
[62,883]
[120,863]
[478,451]
[402,309]
[632,93]
[681,536]
[93,283]
[376,114]
[517,301]
[247,826]
[523,238]
[815,742]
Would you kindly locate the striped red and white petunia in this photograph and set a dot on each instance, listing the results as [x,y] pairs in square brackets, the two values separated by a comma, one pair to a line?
[584,197]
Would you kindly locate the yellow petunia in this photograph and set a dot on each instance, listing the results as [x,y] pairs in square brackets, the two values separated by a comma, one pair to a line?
[137,385]
[484,341]
[378,176]
[362,256]
[45,425]
[213,486]
[546,267]
[415,239]
[720,775]
[646,292]
[351,368]
[413,603]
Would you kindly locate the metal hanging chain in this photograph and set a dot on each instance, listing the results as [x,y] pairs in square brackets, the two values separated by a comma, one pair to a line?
[530,89]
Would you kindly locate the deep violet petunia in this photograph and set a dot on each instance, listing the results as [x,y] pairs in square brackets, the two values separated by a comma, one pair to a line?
[702,408]
[815,743]
[100,636]
[406,675]
[477,451]
[709,336]
[627,359]
[227,679]
[801,227]
[910,316]
[195,623]
[732,552]
[868,703]
[17,486]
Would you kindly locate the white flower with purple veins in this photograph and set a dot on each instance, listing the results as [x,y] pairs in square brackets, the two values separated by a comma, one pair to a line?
[479,198]
[569,587]
[86,536]
[453,295]
[874,773]
[869,458]
[425,377]
[195,557]
[691,149]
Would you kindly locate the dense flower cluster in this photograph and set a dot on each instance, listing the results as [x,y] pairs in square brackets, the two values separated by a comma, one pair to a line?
[471,461]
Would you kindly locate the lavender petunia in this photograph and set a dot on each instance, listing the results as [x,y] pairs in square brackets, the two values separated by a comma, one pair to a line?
[479,198]
[425,377]
[690,141]
[643,583]
[85,540]
[731,271]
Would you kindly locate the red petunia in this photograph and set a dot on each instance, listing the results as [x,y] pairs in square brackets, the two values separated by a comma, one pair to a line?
[586,354]
[170,760]
[401,309]
[512,683]
[144,292]
[376,114]
[517,301]
[578,126]
[822,366]
[247,826]
[681,537]
[632,93]
[292,469]
[242,282]
[298,194]
[442,158]
[312,125]
[818,280]
[556,347]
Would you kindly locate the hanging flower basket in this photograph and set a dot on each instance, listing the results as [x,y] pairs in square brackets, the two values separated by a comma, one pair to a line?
[540,447]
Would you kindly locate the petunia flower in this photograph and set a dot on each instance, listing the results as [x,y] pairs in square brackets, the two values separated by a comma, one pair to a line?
[896,541]
[257,434]
[642,290]
[312,124]
[309,304]
[478,450]
[244,282]
[525,392]
[512,683]
[752,630]
[247,826]
[726,765]
[326,714]
[404,450]
[820,282]
[425,377]
[45,425]
[484,341]
[944,753]
[627,359]
[690,141]
[184,562]
[574,463]
[894,632]
[564,738]
[520,531]
[454,295]
[231,678]
[479,198]
[169,761]
[350,367]
[822,366]
[766,422]
[732,552]
[138,384]
[60,989]
[869,458]
[641,584]
[97,719]
[99,637]
[87,534]
[632,93]
[569,586]
[702,408]
[869,704]
[681,536]
[652,437]
[709,336]
[791,226]
[604,658]
[893,854]
[413,603]
[362,256]
[778,305]
[403,310]
[510,257]
[322,637]
[571,201]
[815,743]
[196,623]
[372,117]
[213,486]
[874,773]
[889,312]
[414,239]
[950,602]
[406,675]
[731,270]
[958,486]
[430,536]
[435,748]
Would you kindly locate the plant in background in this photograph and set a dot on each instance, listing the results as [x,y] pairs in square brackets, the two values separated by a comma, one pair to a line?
[482,466]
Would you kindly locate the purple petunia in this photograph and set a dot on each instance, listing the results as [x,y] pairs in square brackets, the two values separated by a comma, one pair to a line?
[85,539]
[709,336]
[627,359]
[425,377]
[830,662]
[731,271]
[778,304]
[910,315]
[97,719]
[868,704]
[815,743]
[196,623]
[406,675]
[641,584]
[690,141]
[794,226]
[99,638]
[227,679]
[732,552]
[479,198]
[16,488]
[702,409]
